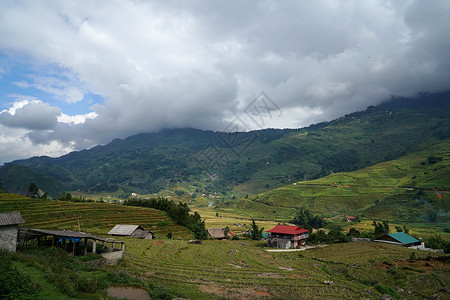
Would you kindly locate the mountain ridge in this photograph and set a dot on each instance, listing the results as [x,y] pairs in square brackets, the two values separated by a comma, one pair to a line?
[150,161]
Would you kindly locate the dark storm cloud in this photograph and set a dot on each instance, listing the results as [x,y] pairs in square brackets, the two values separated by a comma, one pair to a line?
[33,116]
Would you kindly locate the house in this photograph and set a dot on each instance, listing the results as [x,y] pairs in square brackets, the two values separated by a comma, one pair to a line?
[287,236]
[399,238]
[131,230]
[351,219]
[217,233]
[9,230]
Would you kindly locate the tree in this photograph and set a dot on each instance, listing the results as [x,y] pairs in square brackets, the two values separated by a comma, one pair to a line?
[33,189]
[226,230]
[304,218]
[381,228]
[180,213]
[256,232]
[437,242]
[386,227]
[179,192]
[354,232]
[405,229]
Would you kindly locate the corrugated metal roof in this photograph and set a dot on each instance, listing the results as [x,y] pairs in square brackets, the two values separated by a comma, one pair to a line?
[120,229]
[139,233]
[11,218]
[217,233]
[403,238]
[287,229]
[64,233]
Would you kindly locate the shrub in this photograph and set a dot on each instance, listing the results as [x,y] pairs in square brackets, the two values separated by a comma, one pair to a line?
[158,291]
[89,257]
[90,285]
[14,284]
[437,242]
[386,290]
[122,278]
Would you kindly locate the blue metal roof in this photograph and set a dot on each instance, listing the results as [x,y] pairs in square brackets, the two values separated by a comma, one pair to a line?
[403,238]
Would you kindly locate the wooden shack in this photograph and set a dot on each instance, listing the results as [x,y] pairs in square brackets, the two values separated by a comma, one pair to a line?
[131,230]
[217,233]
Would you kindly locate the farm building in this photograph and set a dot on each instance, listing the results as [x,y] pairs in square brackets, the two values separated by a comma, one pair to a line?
[286,236]
[73,241]
[9,230]
[399,238]
[131,230]
[217,233]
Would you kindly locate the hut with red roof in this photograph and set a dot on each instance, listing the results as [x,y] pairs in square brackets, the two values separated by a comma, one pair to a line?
[287,236]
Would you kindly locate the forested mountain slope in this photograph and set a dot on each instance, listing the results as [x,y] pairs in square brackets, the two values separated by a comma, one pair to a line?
[413,188]
[251,162]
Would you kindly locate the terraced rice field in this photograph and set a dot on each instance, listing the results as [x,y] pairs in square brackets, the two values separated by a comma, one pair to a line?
[231,269]
[244,270]
[92,217]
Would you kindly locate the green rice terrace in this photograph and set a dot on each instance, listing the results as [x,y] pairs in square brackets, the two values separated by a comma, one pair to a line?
[242,269]
[413,188]
[95,217]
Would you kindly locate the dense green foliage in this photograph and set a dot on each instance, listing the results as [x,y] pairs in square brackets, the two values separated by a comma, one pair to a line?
[256,233]
[70,198]
[13,283]
[437,242]
[335,235]
[306,219]
[381,228]
[180,213]
[57,275]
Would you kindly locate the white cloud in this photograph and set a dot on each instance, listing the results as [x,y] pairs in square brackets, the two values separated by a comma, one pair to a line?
[76,119]
[171,64]
[15,145]
[64,89]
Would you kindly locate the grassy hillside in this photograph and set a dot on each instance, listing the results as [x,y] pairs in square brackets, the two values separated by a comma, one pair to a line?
[252,162]
[96,218]
[232,269]
[415,187]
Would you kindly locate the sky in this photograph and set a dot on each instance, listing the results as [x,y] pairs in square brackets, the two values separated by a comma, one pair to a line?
[75,74]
